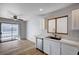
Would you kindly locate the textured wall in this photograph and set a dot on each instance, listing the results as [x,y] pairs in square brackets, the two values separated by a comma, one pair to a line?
[34,27]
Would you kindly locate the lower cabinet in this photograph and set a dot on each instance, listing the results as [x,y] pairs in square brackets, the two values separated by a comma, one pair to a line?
[51,48]
[46,46]
[54,48]
[68,50]
[57,48]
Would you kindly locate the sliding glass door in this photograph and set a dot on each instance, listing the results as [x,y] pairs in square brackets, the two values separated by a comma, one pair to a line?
[5,32]
[8,32]
[15,31]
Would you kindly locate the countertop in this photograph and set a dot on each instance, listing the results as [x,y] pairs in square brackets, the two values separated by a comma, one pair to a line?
[67,41]
[63,40]
[70,42]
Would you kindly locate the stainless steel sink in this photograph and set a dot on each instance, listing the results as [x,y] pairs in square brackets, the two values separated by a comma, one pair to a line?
[56,38]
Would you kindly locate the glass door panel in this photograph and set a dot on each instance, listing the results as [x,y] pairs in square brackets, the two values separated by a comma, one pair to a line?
[15,31]
[5,32]
[8,32]
[0,33]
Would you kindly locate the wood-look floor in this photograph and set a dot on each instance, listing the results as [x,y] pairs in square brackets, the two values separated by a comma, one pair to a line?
[19,47]
[32,51]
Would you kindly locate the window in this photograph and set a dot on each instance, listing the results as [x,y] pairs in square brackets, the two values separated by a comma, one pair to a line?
[62,25]
[51,26]
[58,25]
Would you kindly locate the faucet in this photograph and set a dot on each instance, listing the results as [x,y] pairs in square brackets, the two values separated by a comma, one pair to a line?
[54,34]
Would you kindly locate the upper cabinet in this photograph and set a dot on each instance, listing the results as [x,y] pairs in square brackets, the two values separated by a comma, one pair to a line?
[58,25]
[75,19]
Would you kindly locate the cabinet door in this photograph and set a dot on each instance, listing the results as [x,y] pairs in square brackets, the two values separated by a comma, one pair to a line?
[55,48]
[75,19]
[46,46]
[68,50]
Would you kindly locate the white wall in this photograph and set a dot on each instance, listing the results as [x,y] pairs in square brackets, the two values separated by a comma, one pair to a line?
[34,27]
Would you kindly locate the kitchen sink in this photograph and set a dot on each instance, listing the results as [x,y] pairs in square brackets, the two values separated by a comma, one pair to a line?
[56,38]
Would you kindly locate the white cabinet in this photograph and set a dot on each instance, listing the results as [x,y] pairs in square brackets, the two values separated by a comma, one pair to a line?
[46,46]
[51,48]
[68,50]
[54,48]
[75,19]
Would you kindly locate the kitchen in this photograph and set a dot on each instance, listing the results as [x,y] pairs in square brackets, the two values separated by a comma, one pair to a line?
[51,28]
[62,29]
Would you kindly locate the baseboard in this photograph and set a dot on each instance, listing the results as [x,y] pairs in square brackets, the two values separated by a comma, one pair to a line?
[8,41]
[31,39]
[23,39]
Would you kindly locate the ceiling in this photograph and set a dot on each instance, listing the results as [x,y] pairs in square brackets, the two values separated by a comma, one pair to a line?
[28,10]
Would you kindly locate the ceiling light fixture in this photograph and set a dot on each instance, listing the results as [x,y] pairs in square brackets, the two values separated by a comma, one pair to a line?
[41,9]
[15,17]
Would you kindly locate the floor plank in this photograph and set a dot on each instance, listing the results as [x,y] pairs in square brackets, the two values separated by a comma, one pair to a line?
[19,47]
[32,51]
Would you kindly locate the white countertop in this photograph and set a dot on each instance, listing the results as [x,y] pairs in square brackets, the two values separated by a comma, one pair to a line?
[63,40]
[67,41]
[70,42]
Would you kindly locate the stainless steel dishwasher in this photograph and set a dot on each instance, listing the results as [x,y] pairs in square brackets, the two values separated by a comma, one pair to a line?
[39,43]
